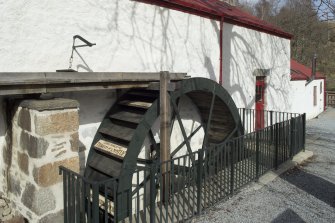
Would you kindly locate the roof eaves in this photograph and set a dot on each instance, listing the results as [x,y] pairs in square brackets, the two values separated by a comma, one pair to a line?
[218,13]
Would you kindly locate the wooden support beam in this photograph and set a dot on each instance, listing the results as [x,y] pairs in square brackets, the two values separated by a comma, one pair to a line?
[165,123]
[38,82]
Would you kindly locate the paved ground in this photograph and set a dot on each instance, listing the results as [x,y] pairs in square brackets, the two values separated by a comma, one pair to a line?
[304,194]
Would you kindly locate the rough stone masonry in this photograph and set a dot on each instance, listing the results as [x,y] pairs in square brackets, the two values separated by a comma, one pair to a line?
[44,137]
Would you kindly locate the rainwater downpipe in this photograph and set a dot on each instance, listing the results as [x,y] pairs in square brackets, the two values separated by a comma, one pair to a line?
[221,51]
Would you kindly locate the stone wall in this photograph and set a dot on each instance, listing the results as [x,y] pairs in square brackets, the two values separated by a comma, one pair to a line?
[44,137]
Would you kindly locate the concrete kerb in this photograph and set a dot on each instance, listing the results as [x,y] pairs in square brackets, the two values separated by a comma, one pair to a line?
[273,174]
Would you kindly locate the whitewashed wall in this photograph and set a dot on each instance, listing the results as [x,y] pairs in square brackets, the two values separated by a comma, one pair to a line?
[313,111]
[304,98]
[130,36]
[299,96]
[244,51]
[2,145]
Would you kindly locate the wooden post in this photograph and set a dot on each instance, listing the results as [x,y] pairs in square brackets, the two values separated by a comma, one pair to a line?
[165,111]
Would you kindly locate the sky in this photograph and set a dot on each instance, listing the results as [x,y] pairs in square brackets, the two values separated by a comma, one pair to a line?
[249,1]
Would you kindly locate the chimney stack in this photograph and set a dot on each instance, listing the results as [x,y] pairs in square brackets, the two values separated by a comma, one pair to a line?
[314,66]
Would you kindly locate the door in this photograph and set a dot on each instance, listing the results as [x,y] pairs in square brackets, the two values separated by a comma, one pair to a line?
[260,100]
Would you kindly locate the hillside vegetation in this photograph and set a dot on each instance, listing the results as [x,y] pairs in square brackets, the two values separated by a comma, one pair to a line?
[312,22]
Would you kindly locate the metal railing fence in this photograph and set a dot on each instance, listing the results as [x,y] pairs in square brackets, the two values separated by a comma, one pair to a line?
[250,118]
[331,98]
[192,183]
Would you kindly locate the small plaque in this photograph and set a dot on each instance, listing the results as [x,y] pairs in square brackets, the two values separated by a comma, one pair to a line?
[111,148]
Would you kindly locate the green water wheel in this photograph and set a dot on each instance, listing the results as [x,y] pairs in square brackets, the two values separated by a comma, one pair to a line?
[203,114]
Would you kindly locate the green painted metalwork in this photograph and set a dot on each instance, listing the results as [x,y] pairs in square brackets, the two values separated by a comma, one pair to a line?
[143,129]
[220,171]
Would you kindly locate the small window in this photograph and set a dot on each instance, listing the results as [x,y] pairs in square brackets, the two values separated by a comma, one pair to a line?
[315,96]
[321,87]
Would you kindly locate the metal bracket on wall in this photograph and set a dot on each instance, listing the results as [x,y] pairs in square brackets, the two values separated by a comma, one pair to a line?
[87,43]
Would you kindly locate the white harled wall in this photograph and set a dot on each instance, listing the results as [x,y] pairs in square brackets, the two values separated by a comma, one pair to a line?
[36,36]
[3,126]
[244,52]
[303,96]
[314,110]
[299,96]
[130,36]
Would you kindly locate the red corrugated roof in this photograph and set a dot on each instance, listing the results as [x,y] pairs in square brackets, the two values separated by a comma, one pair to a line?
[217,9]
[301,72]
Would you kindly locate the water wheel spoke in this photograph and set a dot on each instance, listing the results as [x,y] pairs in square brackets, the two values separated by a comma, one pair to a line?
[184,142]
[188,145]
[153,143]
[205,142]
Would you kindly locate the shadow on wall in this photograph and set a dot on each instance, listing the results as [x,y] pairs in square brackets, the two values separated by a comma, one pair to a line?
[93,105]
[252,57]
[84,66]
[153,38]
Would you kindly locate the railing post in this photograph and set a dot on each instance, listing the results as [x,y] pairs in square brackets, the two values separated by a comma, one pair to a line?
[292,138]
[153,172]
[257,155]
[304,131]
[244,125]
[276,144]
[65,191]
[95,201]
[232,158]
[199,179]
[271,123]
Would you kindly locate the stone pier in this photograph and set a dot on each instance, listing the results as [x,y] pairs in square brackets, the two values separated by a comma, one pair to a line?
[44,137]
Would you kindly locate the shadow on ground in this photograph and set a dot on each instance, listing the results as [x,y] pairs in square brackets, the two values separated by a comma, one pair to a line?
[288,216]
[313,185]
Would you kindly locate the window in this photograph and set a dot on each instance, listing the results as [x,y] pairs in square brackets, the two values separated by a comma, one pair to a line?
[321,87]
[315,96]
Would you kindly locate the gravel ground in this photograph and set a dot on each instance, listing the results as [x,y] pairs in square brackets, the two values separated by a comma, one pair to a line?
[303,194]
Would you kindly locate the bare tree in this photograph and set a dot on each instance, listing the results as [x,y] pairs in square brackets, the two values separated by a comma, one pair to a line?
[312,23]
[325,9]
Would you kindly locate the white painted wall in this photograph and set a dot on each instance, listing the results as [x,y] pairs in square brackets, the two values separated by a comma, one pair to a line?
[244,51]
[130,36]
[303,96]
[2,145]
[313,111]
[298,96]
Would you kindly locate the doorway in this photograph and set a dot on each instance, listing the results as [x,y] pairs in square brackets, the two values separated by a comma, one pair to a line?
[260,101]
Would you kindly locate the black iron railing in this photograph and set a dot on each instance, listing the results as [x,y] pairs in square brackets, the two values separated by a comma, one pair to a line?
[193,182]
[253,120]
[85,201]
[330,98]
